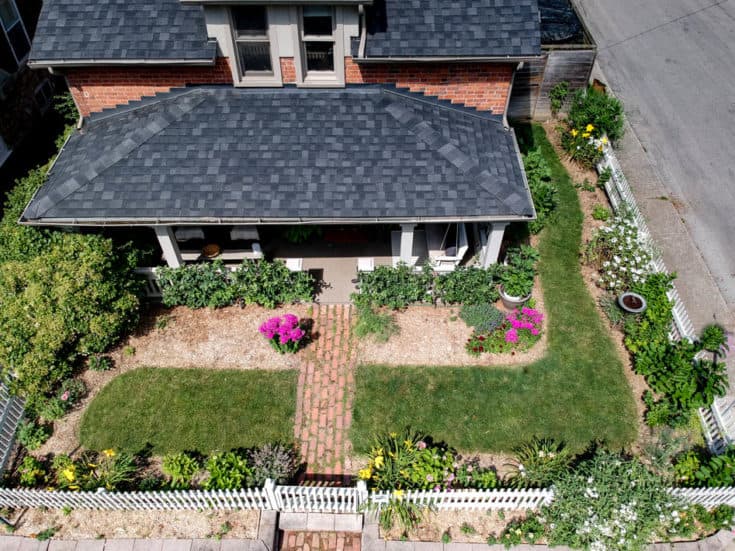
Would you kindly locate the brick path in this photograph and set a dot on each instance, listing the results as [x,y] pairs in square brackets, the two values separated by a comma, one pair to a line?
[325,395]
[321,541]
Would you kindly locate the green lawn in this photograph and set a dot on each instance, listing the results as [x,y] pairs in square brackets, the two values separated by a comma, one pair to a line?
[191,409]
[578,393]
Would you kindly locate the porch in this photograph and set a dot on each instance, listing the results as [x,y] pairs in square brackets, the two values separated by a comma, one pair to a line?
[333,254]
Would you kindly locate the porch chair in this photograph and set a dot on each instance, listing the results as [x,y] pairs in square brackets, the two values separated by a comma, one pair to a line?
[449,257]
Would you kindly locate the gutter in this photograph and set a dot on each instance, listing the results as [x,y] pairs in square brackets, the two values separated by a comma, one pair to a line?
[510,93]
[107,222]
[446,59]
[523,172]
[277,2]
[49,64]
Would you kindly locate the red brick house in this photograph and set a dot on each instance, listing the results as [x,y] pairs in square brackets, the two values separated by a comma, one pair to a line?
[215,120]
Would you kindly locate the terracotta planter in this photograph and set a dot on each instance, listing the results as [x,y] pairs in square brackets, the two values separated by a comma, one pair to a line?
[510,302]
[633,303]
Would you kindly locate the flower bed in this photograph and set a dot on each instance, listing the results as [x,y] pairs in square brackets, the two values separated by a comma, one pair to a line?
[520,330]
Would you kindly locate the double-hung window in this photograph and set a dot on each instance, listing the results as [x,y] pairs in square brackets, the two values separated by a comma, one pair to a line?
[320,48]
[12,26]
[253,45]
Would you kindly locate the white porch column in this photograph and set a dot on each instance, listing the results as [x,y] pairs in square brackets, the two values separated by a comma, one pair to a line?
[491,250]
[169,246]
[407,243]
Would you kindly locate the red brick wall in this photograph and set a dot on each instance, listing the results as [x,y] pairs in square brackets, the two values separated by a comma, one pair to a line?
[97,88]
[484,86]
[288,70]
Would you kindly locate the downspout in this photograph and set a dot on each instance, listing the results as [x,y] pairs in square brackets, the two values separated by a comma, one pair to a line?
[510,93]
[363,31]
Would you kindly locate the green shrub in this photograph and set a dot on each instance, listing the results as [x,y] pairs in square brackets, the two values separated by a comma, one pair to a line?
[614,313]
[581,148]
[77,297]
[604,176]
[528,529]
[271,284]
[276,462]
[31,472]
[611,502]
[393,287]
[714,339]
[558,95]
[468,285]
[212,285]
[410,461]
[654,325]
[50,409]
[98,362]
[698,468]
[543,190]
[517,277]
[370,321]
[31,435]
[227,471]
[106,469]
[603,112]
[600,212]
[180,468]
[539,463]
[484,318]
[196,285]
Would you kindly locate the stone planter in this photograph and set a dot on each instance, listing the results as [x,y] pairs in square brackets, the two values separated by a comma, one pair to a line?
[510,302]
[633,303]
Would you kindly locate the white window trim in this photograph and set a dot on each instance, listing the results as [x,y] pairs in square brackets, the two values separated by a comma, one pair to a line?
[257,80]
[330,79]
[20,22]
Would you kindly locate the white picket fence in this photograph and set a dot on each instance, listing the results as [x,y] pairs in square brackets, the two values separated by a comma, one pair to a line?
[718,421]
[11,413]
[311,499]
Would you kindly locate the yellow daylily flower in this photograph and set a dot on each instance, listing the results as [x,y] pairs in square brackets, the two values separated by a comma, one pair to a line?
[69,473]
[599,148]
[586,135]
[604,139]
[393,434]
[398,494]
[109,452]
[379,461]
[408,444]
[365,474]
[574,132]
[589,128]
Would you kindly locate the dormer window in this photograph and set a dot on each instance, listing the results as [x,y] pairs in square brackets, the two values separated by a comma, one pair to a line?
[320,50]
[12,26]
[254,46]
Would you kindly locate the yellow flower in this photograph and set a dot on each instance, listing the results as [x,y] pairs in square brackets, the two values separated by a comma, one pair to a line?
[586,135]
[604,139]
[574,132]
[379,461]
[69,473]
[408,444]
[589,128]
[109,452]
[365,474]
[398,494]
[599,148]
[393,434]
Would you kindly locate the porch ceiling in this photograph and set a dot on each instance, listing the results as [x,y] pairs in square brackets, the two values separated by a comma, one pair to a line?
[226,155]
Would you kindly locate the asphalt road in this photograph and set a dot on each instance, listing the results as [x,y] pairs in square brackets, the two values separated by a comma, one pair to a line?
[672,62]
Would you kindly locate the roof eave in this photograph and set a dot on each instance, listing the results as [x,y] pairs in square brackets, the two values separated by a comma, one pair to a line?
[278,2]
[451,59]
[58,63]
[269,221]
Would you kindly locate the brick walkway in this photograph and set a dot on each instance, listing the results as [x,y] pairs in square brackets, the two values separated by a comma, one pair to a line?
[325,395]
[321,541]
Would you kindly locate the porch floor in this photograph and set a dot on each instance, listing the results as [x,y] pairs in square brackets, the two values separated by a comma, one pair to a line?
[334,265]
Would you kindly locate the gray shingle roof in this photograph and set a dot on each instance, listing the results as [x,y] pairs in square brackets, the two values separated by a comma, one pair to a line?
[116,30]
[439,28]
[203,153]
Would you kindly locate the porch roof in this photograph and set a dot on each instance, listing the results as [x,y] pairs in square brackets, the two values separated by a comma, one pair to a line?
[225,155]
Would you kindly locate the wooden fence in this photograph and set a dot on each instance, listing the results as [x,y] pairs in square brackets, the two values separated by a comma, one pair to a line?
[311,499]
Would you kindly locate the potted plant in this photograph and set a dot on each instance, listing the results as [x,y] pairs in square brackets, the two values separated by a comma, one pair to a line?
[517,277]
[633,303]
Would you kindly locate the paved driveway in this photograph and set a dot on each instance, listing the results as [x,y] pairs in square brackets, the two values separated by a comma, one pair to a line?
[673,64]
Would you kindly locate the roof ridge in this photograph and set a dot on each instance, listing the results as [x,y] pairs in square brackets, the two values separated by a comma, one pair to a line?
[128,143]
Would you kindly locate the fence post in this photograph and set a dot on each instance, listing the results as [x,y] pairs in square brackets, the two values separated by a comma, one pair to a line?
[362,494]
[270,494]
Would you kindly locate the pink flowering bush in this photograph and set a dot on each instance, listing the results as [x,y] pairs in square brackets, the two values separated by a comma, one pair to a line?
[520,330]
[284,333]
